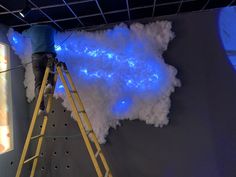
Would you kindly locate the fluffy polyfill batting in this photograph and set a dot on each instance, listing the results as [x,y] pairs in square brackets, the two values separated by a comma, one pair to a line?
[119,73]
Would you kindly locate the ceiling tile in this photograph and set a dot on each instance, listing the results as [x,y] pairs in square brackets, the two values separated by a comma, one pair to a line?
[140,3]
[91,21]
[166,10]
[35,16]
[141,13]
[85,8]
[114,10]
[106,5]
[117,17]
[56,13]
[192,6]
[13,5]
[46,2]
[218,3]
[77,0]
[167,1]
[10,20]
[69,24]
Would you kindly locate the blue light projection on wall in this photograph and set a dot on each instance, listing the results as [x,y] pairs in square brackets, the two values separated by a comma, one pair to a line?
[227,29]
[15,40]
[112,64]
[122,106]
[107,66]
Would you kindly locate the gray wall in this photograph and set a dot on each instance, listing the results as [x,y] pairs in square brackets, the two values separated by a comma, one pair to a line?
[201,138]
[203,110]
[9,160]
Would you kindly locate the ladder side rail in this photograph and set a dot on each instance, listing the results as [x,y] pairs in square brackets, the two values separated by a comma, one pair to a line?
[32,124]
[87,121]
[43,130]
[79,121]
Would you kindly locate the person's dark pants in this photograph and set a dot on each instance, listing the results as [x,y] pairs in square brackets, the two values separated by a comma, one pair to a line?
[39,62]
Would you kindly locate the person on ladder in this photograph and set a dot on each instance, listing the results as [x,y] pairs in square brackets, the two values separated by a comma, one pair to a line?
[42,41]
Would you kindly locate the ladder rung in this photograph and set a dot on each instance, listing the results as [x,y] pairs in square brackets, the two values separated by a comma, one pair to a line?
[107,173]
[30,159]
[97,153]
[53,72]
[47,94]
[83,111]
[89,131]
[37,136]
[73,91]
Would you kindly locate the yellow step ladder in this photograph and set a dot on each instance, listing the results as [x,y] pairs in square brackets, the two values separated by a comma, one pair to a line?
[79,112]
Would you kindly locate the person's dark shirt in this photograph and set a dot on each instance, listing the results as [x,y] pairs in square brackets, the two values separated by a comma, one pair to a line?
[42,38]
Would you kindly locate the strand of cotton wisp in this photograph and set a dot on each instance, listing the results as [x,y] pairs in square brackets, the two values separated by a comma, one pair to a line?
[120,73]
[22,48]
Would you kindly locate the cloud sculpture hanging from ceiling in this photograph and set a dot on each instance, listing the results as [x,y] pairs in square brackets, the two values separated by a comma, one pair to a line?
[120,73]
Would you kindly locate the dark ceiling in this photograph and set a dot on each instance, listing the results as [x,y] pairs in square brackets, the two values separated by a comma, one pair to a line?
[82,14]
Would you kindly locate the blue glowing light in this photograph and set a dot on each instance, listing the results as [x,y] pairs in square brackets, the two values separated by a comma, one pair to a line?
[57,48]
[227,26]
[110,55]
[60,86]
[144,80]
[122,106]
[85,71]
[15,40]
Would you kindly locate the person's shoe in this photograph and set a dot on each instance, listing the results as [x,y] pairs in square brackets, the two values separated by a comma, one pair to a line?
[48,89]
[42,112]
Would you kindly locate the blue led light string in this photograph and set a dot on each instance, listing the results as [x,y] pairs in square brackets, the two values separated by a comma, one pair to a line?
[132,73]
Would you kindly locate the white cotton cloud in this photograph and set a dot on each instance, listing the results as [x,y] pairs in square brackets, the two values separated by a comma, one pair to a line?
[119,73]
